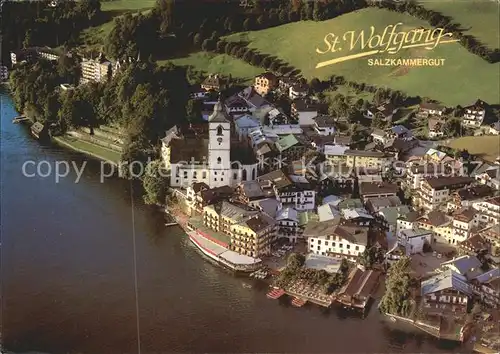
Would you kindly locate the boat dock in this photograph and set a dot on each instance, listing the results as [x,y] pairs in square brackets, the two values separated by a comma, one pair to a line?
[20,119]
[298,302]
[275,294]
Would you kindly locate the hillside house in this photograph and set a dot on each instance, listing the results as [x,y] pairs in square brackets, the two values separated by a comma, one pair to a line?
[435,126]
[369,190]
[474,114]
[214,82]
[414,240]
[489,210]
[265,83]
[431,109]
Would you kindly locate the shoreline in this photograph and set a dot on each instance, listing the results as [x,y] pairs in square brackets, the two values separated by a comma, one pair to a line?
[58,140]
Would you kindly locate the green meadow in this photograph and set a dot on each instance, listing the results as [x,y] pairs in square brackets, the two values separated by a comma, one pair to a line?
[210,63]
[479,18]
[463,78]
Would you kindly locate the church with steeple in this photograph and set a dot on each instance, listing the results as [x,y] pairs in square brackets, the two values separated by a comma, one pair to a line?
[207,155]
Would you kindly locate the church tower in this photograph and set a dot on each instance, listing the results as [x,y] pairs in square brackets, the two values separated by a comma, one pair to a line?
[219,147]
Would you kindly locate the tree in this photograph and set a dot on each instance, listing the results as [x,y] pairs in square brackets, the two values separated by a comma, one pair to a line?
[295,261]
[397,297]
[154,183]
[452,127]
[261,20]
[247,25]
[197,39]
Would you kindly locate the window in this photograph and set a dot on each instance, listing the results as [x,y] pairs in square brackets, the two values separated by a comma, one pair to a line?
[194,174]
[318,248]
[357,248]
[341,245]
[219,130]
[333,244]
[215,173]
[204,174]
[222,179]
[235,175]
[185,174]
[215,179]
[326,243]
[219,160]
[348,247]
[319,242]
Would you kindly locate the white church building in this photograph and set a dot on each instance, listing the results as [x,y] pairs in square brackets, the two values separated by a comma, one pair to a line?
[213,160]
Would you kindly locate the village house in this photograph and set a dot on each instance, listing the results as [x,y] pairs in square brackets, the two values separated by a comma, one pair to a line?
[304,112]
[474,114]
[446,292]
[236,105]
[356,216]
[489,210]
[324,125]
[288,224]
[490,177]
[407,221]
[243,125]
[495,128]
[487,287]
[290,148]
[192,191]
[335,154]
[298,194]
[414,240]
[248,192]
[335,177]
[204,197]
[466,266]
[464,223]
[329,238]
[431,109]
[369,190]
[389,216]
[439,223]
[491,234]
[361,158]
[474,245]
[4,73]
[435,126]
[434,193]
[327,212]
[214,82]
[265,83]
[385,112]
[298,90]
[374,205]
[417,172]
[466,197]
[255,102]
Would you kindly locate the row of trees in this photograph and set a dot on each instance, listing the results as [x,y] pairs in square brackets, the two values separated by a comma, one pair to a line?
[35,23]
[437,19]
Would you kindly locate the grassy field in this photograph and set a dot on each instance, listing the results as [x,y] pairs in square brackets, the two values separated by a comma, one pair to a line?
[479,18]
[350,93]
[463,78]
[487,146]
[218,64]
[88,148]
[127,5]
[93,38]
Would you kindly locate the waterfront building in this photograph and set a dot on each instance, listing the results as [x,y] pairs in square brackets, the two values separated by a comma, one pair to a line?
[331,238]
[447,292]
[213,160]
[288,224]
[251,232]
[4,73]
